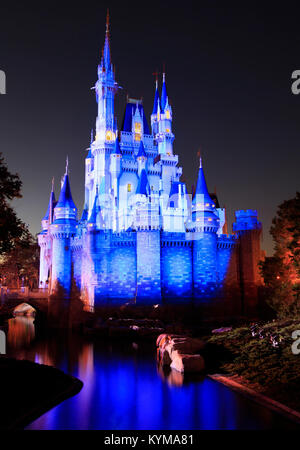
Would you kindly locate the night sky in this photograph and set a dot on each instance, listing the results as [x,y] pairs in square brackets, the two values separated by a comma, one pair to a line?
[228,71]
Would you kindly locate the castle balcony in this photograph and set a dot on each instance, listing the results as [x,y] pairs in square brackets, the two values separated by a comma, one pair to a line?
[127,138]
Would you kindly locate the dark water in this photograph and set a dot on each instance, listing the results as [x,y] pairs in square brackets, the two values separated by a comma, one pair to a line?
[124,389]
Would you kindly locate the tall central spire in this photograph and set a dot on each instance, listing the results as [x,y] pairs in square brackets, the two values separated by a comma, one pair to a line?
[106,59]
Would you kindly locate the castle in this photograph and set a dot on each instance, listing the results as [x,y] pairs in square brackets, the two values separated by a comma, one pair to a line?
[141,237]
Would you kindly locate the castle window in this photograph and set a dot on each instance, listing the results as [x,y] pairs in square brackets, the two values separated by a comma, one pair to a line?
[109,135]
[137,131]
[128,187]
[167,130]
[168,115]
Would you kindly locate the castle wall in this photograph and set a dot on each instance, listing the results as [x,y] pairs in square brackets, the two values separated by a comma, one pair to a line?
[148,267]
[249,230]
[176,267]
[204,264]
[122,260]
[228,274]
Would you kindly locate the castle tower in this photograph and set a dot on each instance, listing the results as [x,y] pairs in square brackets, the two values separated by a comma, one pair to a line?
[205,224]
[106,129]
[62,230]
[45,242]
[249,231]
[106,88]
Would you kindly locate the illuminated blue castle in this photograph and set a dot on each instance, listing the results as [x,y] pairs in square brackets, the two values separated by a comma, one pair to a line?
[141,236]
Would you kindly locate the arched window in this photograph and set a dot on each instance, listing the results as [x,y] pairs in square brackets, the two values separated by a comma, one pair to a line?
[129,187]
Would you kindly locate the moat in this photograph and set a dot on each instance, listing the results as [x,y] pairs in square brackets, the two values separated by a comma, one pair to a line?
[124,388]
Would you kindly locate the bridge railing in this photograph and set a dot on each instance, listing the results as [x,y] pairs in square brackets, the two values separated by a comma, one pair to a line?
[23,292]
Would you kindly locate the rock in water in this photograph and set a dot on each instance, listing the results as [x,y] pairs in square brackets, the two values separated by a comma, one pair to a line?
[187,363]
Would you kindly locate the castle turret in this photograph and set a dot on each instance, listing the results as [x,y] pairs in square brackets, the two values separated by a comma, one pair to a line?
[249,231]
[165,137]
[205,224]
[45,241]
[62,230]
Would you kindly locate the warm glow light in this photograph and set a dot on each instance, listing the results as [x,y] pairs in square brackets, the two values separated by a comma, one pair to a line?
[137,131]
[168,115]
[129,187]
[109,135]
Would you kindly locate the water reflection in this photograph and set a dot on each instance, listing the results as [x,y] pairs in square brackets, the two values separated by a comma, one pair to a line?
[124,388]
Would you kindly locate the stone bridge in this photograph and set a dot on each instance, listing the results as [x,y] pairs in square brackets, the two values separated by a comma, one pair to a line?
[11,298]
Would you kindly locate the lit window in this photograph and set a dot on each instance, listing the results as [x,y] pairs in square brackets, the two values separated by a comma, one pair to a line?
[129,187]
[109,135]
[167,130]
[137,131]
[207,204]
[210,220]
[168,115]
[152,188]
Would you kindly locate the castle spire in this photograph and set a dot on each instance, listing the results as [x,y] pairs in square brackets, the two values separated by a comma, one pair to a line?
[96,215]
[65,198]
[164,95]
[106,58]
[201,192]
[156,95]
[51,204]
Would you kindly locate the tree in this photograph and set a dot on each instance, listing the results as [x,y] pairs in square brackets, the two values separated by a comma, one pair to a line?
[12,229]
[282,271]
[21,262]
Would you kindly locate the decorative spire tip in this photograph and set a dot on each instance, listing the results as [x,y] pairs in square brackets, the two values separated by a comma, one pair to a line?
[67,166]
[107,22]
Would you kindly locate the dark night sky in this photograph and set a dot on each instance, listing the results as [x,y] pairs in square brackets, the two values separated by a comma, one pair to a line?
[228,67]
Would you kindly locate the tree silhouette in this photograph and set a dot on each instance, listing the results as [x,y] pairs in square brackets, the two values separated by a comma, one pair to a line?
[281,272]
[12,229]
